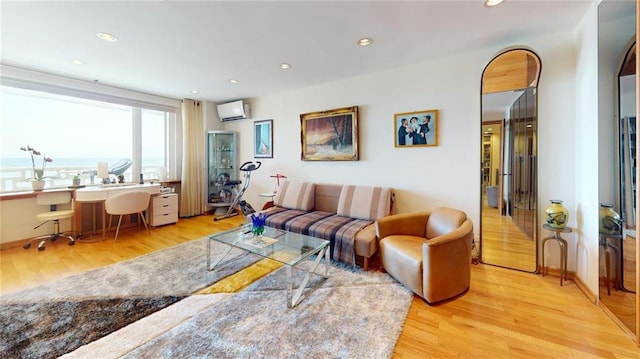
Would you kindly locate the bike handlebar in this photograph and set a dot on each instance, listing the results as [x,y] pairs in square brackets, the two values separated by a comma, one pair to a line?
[250,166]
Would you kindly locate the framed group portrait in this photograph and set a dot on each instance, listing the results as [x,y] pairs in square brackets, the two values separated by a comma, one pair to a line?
[263,139]
[416,129]
[330,135]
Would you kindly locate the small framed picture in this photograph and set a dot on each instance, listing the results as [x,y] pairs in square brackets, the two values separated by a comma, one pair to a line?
[263,139]
[416,129]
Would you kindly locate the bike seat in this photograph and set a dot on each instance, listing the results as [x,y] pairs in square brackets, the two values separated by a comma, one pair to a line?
[232,183]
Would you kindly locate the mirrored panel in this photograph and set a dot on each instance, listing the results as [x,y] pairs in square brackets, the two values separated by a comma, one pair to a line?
[617,96]
[508,230]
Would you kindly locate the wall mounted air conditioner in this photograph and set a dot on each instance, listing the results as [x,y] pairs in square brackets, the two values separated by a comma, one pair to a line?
[236,110]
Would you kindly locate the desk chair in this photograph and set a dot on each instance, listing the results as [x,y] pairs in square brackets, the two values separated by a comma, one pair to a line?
[52,199]
[127,203]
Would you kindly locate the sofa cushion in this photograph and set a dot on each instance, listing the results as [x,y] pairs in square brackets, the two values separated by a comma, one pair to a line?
[278,217]
[364,202]
[296,195]
[301,224]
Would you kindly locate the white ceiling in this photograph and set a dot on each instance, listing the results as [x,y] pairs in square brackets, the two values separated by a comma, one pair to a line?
[170,48]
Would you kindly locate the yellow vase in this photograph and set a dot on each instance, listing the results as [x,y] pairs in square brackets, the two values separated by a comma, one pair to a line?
[610,221]
[556,214]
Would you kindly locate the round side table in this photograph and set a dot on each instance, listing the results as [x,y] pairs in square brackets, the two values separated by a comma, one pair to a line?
[562,243]
[612,251]
[269,203]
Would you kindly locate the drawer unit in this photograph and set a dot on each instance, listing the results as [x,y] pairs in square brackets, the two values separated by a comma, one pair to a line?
[163,209]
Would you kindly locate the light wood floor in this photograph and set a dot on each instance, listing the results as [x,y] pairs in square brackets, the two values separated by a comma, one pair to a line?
[505,314]
[504,244]
[622,302]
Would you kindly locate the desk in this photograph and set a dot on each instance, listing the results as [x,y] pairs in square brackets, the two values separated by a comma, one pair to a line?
[100,194]
[562,243]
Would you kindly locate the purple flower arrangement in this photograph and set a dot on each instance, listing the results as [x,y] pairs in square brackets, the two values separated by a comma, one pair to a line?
[258,223]
[38,173]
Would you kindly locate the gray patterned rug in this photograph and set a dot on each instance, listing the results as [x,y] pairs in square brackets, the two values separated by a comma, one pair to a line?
[117,311]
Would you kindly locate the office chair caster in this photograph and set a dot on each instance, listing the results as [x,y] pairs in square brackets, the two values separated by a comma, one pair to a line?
[40,246]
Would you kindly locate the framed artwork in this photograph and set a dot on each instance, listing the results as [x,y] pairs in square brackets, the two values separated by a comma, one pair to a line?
[330,135]
[415,129]
[263,139]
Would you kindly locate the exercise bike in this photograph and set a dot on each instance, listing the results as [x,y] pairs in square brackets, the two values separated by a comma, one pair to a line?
[238,204]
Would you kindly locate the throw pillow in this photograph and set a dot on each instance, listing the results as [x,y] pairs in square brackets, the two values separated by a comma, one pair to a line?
[364,202]
[296,195]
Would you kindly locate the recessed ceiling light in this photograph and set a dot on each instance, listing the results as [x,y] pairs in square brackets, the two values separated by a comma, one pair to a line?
[365,41]
[195,92]
[77,62]
[491,3]
[233,81]
[107,37]
[285,66]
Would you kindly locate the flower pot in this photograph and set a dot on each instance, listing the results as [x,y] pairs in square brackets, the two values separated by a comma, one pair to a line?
[37,185]
[556,214]
[610,221]
[76,181]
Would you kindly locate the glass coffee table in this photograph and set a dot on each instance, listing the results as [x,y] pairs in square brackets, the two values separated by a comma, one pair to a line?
[288,248]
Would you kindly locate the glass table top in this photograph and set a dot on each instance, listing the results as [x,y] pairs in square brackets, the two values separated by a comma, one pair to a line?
[286,247]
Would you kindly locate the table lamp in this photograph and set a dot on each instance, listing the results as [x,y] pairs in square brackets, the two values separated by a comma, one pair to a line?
[103,171]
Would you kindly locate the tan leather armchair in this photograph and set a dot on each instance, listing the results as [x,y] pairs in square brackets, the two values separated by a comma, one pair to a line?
[428,252]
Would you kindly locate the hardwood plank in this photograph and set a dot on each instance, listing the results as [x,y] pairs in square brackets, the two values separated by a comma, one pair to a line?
[20,268]
[505,313]
[504,244]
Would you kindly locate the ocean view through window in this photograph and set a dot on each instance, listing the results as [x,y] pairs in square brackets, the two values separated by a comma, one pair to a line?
[78,133]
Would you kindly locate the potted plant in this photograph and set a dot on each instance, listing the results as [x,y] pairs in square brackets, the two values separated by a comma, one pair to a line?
[76,180]
[37,181]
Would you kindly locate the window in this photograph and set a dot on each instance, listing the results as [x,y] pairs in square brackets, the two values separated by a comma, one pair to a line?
[78,133]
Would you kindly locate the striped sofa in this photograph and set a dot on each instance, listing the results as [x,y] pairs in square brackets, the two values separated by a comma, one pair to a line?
[341,214]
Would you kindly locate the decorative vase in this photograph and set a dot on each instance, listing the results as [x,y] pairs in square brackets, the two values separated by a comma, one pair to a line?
[257,231]
[556,214]
[258,224]
[37,185]
[610,221]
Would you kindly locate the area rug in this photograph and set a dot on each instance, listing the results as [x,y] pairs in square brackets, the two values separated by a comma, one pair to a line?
[57,317]
[353,314]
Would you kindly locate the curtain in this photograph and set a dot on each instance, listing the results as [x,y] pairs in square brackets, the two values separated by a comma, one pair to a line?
[192,202]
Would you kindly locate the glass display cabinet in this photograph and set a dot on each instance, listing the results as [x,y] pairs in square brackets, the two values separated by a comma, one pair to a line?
[221,167]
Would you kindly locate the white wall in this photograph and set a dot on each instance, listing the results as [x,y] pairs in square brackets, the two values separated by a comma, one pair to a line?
[425,178]
[585,251]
